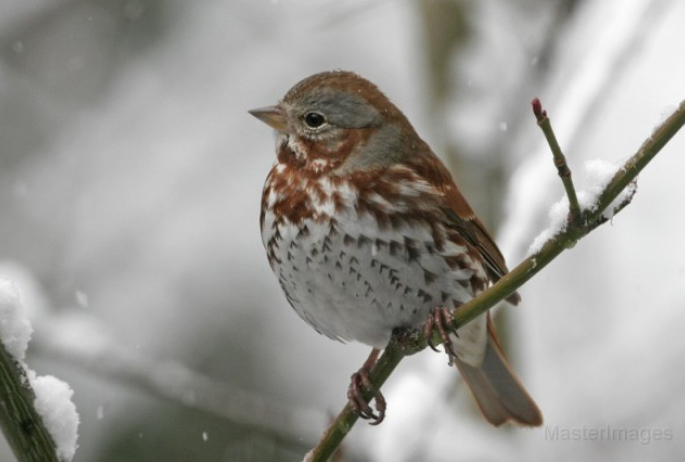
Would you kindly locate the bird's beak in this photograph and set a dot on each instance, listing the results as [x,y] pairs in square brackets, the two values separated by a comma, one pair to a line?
[273,116]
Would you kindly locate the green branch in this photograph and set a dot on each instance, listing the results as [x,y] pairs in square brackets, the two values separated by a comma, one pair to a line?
[20,422]
[559,159]
[575,230]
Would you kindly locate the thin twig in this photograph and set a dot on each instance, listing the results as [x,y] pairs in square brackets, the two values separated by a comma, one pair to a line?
[559,159]
[512,281]
[567,238]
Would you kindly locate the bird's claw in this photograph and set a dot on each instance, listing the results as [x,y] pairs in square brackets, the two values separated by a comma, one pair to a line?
[360,382]
[440,319]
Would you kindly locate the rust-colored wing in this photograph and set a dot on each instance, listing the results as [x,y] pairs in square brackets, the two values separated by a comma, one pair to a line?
[460,216]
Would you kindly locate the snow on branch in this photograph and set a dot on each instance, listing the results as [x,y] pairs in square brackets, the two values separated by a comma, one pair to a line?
[37,415]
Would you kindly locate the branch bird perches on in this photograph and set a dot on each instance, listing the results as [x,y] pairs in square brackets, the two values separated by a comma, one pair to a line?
[579,224]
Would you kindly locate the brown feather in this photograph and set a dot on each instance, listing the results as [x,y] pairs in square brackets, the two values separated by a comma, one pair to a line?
[460,215]
[499,393]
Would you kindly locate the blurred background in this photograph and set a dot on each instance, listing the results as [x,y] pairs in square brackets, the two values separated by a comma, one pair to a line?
[130,182]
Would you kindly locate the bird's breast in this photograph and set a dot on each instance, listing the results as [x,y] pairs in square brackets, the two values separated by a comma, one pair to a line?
[353,275]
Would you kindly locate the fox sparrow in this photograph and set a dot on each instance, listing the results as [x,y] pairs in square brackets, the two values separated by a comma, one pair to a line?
[367,233]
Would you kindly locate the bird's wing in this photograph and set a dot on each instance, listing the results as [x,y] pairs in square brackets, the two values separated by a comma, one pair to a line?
[460,216]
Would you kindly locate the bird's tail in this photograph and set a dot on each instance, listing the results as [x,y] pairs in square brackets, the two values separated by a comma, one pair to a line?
[499,393]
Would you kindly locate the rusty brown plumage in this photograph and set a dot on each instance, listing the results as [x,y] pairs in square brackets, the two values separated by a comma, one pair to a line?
[367,232]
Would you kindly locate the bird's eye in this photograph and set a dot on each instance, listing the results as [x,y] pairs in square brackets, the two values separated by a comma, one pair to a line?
[314,119]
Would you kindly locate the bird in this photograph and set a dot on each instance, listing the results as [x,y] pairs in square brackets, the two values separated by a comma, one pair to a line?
[367,233]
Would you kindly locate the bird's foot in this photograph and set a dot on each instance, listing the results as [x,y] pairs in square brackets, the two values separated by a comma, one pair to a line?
[361,383]
[441,320]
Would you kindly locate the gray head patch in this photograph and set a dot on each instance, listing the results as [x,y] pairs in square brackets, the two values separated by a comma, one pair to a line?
[388,146]
[341,109]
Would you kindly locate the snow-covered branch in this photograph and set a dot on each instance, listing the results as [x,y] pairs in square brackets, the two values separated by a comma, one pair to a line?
[36,413]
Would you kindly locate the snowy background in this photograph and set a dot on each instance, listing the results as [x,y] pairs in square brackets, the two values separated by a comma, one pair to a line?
[130,180]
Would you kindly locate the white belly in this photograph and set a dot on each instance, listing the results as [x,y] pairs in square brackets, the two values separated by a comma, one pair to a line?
[353,281]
